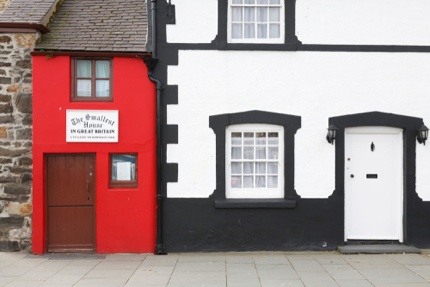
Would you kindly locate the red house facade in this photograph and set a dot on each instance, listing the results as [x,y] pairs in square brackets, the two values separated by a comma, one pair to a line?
[94,135]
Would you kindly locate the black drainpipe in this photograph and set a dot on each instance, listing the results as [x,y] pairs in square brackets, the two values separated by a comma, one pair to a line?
[151,63]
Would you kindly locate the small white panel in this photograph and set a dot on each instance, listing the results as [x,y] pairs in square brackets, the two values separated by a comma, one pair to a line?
[123,171]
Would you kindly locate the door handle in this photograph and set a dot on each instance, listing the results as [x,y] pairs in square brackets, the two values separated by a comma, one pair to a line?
[352,176]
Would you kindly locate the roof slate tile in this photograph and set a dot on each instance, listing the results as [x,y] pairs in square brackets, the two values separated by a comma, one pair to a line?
[26,11]
[98,25]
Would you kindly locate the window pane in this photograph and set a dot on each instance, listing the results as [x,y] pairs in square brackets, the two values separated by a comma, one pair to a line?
[248,153]
[260,152]
[236,14]
[249,31]
[272,181]
[273,153]
[83,68]
[249,139]
[249,14]
[102,88]
[272,168]
[236,31]
[275,1]
[248,181]
[236,168]
[237,2]
[262,31]
[236,152]
[102,69]
[273,139]
[274,14]
[275,31]
[123,167]
[236,181]
[249,1]
[248,168]
[236,138]
[261,14]
[261,138]
[260,167]
[262,1]
[83,88]
[260,181]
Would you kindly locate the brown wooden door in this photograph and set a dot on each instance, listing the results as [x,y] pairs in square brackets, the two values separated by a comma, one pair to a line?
[70,203]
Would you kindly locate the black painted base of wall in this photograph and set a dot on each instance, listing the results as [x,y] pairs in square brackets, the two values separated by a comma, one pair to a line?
[195,225]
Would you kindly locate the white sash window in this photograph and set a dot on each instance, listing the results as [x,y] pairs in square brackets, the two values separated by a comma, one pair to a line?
[254,161]
[256,21]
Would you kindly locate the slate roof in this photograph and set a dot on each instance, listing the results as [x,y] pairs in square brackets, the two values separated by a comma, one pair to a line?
[98,25]
[27,11]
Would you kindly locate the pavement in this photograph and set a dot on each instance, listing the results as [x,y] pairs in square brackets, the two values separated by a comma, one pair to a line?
[247,269]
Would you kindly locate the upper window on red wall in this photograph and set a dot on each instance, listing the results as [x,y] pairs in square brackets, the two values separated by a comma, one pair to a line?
[92,80]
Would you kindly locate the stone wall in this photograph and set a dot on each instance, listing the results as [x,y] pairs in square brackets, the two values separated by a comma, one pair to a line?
[16,140]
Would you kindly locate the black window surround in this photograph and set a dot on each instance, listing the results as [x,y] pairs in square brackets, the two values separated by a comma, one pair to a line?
[291,124]
[290,42]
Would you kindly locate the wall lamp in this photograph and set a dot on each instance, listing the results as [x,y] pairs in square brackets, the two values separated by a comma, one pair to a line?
[423,133]
[331,133]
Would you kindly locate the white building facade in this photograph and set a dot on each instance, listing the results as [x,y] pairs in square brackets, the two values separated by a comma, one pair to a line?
[251,87]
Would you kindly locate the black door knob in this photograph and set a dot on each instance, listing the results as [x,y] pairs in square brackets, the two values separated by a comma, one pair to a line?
[352,176]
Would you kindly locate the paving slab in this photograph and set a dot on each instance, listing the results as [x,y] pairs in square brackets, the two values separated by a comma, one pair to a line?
[251,281]
[343,272]
[241,270]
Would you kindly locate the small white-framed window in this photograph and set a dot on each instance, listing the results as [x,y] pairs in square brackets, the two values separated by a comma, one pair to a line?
[254,161]
[256,21]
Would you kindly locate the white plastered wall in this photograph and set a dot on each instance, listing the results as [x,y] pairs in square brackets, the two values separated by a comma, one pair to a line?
[345,22]
[365,22]
[196,21]
[313,85]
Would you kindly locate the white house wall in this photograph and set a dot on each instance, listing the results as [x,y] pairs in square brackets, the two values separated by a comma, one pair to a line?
[363,22]
[352,22]
[196,21]
[313,85]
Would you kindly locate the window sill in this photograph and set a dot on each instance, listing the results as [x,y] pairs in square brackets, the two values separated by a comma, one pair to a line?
[256,203]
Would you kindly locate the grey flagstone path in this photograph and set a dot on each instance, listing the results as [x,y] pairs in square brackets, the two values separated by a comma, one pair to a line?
[247,269]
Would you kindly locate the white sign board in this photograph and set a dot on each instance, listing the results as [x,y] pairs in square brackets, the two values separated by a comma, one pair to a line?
[91,126]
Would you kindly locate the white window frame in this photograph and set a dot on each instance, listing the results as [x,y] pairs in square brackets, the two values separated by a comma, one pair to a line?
[265,192]
[256,40]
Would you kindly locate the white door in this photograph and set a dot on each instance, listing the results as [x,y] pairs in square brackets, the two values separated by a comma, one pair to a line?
[373,183]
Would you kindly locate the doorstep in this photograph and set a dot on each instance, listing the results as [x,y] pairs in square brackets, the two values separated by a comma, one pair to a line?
[378,249]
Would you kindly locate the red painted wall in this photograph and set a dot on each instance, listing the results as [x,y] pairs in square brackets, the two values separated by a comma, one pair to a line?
[125,217]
